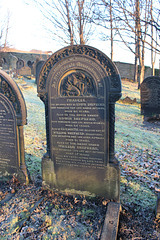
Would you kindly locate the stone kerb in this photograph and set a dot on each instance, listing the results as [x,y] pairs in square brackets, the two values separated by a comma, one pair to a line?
[13,116]
[79,86]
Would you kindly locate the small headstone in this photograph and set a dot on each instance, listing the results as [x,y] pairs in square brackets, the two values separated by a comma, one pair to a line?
[79,86]
[38,69]
[19,64]
[24,71]
[31,65]
[12,119]
[150,97]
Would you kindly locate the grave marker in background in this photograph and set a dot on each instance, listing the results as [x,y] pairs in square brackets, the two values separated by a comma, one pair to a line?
[79,86]
[12,119]
[38,68]
[150,97]
[24,71]
[19,64]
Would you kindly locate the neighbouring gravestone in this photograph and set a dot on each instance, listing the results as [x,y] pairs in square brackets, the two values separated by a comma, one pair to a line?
[12,119]
[19,64]
[150,97]
[79,86]
[24,71]
[38,69]
[31,66]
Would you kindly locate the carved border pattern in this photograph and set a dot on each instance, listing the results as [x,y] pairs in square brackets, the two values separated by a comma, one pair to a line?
[7,91]
[84,50]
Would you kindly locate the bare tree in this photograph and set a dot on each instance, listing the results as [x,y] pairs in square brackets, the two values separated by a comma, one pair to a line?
[7,29]
[67,21]
[130,22]
[133,28]
[104,18]
[4,30]
[108,5]
[155,33]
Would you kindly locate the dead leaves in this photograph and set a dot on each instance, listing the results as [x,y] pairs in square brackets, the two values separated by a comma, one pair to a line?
[59,215]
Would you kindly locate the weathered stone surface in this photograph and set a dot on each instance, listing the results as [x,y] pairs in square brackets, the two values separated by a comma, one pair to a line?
[150,97]
[110,227]
[79,86]
[12,119]
[158,206]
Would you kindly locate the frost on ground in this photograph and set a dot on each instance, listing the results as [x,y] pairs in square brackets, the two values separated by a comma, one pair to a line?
[138,151]
[56,216]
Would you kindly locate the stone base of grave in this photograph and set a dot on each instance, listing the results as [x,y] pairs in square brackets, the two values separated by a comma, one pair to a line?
[103,182]
[110,227]
[23,175]
[48,172]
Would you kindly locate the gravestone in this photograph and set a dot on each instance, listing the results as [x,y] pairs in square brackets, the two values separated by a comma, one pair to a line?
[79,86]
[12,119]
[38,69]
[31,65]
[24,71]
[150,97]
[19,64]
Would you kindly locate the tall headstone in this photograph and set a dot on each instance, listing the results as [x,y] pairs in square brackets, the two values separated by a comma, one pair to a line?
[79,86]
[12,118]
[150,97]
[38,68]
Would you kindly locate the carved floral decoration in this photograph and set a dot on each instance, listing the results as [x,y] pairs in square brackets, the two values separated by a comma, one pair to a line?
[84,50]
[7,91]
[77,84]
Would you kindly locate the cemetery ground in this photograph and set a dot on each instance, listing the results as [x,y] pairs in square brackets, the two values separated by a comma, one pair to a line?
[35,213]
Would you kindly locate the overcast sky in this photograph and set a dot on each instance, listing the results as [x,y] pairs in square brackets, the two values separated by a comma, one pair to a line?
[26,26]
[27,32]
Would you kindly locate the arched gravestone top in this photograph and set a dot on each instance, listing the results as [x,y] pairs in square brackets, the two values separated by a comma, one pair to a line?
[89,53]
[19,64]
[12,118]
[79,86]
[150,96]
[10,90]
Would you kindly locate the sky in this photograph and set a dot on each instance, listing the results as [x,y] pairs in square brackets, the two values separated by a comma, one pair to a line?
[27,32]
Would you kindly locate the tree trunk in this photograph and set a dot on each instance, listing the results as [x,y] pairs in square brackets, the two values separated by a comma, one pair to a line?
[152,51]
[136,55]
[70,27]
[80,8]
[141,77]
[136,70]
[142,67]
[138,37]
[111,25]
[7,29]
